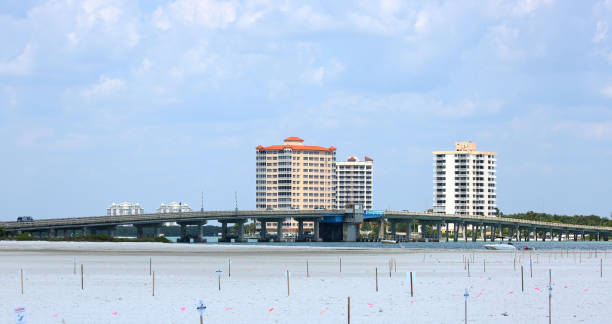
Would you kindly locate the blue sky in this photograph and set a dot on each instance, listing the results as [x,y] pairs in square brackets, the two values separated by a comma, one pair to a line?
[156,101]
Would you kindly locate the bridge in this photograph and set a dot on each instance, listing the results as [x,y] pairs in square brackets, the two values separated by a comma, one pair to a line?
[329,225]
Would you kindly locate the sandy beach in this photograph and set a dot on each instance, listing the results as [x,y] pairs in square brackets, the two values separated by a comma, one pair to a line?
[118,287]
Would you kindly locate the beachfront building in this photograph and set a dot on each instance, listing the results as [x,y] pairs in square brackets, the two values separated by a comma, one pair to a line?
[173,207]
[464,181]
[124,208]
[354,182]
[293,175]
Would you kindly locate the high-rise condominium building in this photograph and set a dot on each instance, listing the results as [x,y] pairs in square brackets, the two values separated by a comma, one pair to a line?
[124,208]
[464,181]
[295,176]
[354,182]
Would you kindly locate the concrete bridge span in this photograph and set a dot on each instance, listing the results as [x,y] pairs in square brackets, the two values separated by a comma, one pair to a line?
[329,225]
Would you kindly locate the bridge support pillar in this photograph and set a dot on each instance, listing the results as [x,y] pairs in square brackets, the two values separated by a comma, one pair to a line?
[492,232]
[279,230]
[300,235]
[316,237]
[112,230]
[535,234]
[544,232]
[560,234]
[183,237]
[446,231]
[139,231]
[381,229]
[465,232]
[157,230]
[201,232]
[474,232]
[408,230]
[263,231]
[583,236]
[483,230]
[240,225]
[455,232]
[439,231]
[52,232]
[393,224]
[224,231]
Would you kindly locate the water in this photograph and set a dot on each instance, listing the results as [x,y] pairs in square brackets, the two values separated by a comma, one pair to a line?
[548,245]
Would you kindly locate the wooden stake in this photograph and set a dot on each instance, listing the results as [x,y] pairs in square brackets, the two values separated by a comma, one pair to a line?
[600,268]
[515,263]
[340,265]
[522,281]
[288,284]
[219,278]
[21,281]
[411,291]
[307,270]
[81,276]
[150,268]
[468,266]
[530,268]
[549,277]
[376,279]
[484,265]
[349,309]
[229,267]
[201,320]
[153,286]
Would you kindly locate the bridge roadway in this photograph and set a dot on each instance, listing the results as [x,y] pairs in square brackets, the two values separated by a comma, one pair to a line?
[339,225]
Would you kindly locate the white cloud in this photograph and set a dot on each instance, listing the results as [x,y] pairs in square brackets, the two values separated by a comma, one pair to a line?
[422,22]
[49,139]
[20,65]
[601,31]
[318,75]
[104,87]
[600,130]
[607,91]
[525,7]
[9,97]
[207,13]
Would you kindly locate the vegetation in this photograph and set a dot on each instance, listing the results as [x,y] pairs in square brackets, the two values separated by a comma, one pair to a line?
[89,238]
[592,220]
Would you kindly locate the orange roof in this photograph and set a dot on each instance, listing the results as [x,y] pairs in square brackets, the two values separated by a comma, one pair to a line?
[352,158]
[368,159]
[295,148]
[293,138]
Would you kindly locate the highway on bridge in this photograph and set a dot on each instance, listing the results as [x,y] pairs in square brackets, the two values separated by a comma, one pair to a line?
[329,225]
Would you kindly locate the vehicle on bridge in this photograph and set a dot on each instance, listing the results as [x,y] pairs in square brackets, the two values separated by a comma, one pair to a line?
[24,219]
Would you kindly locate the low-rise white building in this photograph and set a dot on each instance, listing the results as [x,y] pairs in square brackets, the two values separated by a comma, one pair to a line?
[124,208]
[173,207]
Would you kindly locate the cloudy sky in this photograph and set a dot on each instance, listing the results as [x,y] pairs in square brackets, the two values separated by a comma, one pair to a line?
[156,101]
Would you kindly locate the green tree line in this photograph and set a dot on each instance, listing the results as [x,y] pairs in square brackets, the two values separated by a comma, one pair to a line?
[592,220]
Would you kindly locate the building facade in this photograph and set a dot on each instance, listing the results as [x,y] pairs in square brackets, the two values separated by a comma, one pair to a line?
[354,182]
[173,207]
[465,181]
[124,208]
[294,176]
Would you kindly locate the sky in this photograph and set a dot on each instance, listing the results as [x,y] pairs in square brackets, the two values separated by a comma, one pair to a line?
[158,101]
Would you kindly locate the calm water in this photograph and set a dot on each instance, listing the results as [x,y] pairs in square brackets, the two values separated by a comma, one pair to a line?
[548,245]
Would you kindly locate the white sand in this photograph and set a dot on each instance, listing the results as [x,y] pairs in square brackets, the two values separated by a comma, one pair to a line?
[118,285]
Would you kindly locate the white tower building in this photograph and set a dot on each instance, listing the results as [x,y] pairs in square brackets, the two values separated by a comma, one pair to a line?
[354,180]
[464,181]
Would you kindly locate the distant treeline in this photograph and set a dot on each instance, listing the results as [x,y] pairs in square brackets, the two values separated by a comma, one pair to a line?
[592,220]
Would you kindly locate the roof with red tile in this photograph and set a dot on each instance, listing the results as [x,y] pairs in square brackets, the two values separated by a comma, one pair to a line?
[295,148]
